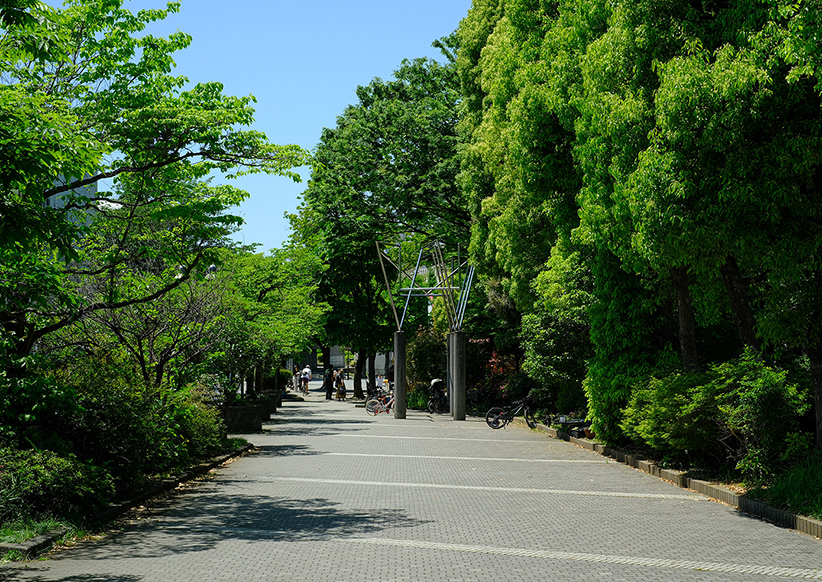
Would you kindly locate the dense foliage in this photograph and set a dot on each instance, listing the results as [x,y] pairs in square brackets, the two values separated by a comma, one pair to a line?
[116,304]
[643,179]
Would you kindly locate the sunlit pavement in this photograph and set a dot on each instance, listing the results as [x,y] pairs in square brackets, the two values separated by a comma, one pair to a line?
[333,494]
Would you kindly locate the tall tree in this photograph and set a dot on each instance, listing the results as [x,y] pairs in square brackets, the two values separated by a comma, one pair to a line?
[385,172]
[114,112]
[85,96]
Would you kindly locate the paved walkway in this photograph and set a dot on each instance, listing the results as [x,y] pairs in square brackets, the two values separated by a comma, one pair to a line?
[336,495]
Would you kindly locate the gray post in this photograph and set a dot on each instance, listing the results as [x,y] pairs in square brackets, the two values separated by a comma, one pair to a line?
[457,368]
[399,375]
[449,376]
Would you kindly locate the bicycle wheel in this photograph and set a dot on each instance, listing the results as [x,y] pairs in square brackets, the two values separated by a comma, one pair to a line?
[529,418]
[373,407]
[495,417]
[432,406]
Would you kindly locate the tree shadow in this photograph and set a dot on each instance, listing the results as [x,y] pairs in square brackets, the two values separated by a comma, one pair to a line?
[285,451]
[108,577]
[207,519]
[313,430]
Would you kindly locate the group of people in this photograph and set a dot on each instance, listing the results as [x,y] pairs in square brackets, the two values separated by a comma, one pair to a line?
[302,378]
[332,380]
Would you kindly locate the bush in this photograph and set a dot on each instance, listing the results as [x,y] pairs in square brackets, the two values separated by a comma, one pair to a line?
[758,411]
[427,357]
[199,426]
[34,484]
[797,489]
[666,415]
[418,395]
[136,431]
[741,410]
[29,398]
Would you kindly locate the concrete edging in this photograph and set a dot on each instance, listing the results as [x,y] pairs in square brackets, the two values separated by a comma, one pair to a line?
[35,545]
[740,501]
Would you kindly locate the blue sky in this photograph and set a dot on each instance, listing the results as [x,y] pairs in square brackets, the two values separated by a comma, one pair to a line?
[302,60]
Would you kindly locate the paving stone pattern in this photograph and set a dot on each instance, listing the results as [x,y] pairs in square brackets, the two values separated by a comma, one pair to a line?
[336,495]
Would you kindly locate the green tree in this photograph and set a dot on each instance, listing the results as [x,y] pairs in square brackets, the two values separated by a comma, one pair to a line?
[114,112]
[271,310]
[84,97]
[385,173]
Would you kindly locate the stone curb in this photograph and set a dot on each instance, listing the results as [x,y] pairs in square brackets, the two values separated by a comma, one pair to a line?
[720,493]
[30,548]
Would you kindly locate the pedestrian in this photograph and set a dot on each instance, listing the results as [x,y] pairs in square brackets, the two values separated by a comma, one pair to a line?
[328,382]
[340,384]
[305,376]
[295,378]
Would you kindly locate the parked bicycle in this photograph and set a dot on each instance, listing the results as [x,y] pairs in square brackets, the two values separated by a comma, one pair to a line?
[379,404]
[499,417]
[438,403]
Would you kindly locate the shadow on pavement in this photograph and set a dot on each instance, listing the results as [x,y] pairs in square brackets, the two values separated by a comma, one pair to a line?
[314,430]
[75,578]
[285,451]
[202,523]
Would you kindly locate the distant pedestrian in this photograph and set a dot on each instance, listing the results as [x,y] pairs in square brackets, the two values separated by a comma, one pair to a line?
[305,377]
[340,385]
[328,382]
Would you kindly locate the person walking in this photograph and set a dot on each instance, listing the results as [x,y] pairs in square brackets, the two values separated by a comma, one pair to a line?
[305,377]
[340,385]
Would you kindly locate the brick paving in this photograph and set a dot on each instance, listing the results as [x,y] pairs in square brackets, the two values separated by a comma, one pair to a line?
[335,495]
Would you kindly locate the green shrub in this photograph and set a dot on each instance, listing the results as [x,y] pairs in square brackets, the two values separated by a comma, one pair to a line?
[667,414]
[136,431]
[418,395]
[798,488]
[427,357]
[40,483]
[743,412]
[758,409]
[199,426]
[29,398]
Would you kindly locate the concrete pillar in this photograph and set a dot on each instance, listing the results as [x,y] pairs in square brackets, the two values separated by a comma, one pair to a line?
[456,367]
[399,375]
[449,376]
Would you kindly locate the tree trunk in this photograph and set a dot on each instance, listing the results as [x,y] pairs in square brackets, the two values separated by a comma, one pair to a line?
[740,306]
[326,356]
[278,387]
[815,359]
[358,393]
[259,383]
[372,376]
[687,322]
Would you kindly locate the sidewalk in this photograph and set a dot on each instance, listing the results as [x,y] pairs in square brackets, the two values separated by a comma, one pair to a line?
[336,495]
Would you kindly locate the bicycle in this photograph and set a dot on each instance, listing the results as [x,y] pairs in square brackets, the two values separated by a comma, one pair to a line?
[304,386]
[499,417]
[438,405]
[379,404]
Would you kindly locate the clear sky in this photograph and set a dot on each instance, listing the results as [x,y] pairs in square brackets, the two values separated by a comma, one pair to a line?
[302,60]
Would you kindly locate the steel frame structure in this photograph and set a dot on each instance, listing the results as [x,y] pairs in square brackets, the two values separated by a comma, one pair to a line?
[453,285]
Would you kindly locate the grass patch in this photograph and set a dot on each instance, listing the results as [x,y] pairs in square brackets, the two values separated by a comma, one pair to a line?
[798,489]
[21,530]
[12,556]
[230,445]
